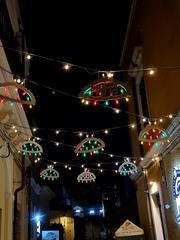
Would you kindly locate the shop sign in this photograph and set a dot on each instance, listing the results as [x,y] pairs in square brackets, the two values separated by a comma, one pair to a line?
[176,191]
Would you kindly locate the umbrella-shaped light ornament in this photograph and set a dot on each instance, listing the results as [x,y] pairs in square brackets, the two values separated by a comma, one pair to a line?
[127,168]
[86,177]
[89,145]
[152,134]
[49,173]
[31,148]
[105,89]
[11,92]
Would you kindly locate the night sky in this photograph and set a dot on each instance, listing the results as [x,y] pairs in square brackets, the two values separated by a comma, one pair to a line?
[85,34]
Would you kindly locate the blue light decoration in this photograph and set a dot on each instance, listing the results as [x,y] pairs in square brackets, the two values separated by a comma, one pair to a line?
[104,89]
[153,134]
[90,145]
[38,225]
[127,168]
[92,212]
[176,191]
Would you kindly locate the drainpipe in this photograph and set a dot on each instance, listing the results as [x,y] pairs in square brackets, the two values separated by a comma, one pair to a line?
[29,203]
[16,197]
[23,157]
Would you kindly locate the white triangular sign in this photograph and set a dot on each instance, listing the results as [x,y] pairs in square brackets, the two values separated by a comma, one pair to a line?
[128,229]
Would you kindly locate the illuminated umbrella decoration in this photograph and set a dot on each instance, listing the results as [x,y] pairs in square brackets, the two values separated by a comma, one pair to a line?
[86,177]
[89,145]
[127,168]
[6,95]
[49,173]
[104,89]
[31,148]
[152,133]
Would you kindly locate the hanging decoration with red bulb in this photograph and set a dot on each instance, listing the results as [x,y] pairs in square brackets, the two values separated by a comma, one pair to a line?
[127,168]
[31,148]
[90,145]
[49,173]
[12,92]
[104,90]
[152,134]
[86,177]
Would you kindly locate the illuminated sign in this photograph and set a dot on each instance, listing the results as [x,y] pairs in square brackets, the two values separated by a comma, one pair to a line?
[176,191]
[50,235]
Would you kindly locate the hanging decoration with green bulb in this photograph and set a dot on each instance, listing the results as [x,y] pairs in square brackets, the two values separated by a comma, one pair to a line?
[12,92]
[86,177]
[31,148]
[90,145]
[104,90]
[127,168]
[152,134]
[49,173]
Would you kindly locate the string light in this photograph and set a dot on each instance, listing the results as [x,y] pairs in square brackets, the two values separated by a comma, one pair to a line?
[151,72]
[117,110]
[110,75]
[66,67]
[28,57]
[61,92]
[129,165]
[87,69]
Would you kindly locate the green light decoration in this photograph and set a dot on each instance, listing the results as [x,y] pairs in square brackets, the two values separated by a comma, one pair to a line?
[31,148]
[89,145]
[86,177]
[12,92]
[127,168]
[153,134]
[49,173]
[105,89]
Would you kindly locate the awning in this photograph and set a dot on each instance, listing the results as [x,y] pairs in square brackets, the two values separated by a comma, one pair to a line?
[128,229]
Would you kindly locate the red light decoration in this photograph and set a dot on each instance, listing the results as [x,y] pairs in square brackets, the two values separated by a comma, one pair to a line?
[31,148]
[10,92]
[86,177]
[104,89]
[49,173]
[89,145]
[152,134]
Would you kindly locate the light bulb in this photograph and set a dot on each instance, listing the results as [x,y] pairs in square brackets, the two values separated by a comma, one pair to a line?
[28,57]
[151,72]
[66,66]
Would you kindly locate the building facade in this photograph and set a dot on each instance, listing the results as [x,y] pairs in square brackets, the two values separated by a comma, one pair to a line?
[151,53]
[15,182]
